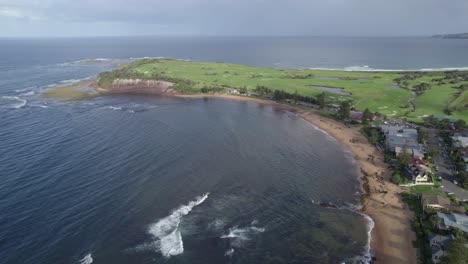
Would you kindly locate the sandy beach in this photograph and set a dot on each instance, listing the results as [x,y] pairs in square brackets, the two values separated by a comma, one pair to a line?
[392,236]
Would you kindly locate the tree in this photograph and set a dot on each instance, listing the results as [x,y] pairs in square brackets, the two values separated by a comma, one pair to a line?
[403,158]
[344,110]
[460,124]
[422,134]
[243,90]
[366,116]
[295,96]
[321,100]
[432,152]
[457,253]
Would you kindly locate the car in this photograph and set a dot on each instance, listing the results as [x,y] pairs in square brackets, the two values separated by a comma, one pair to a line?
[455,182]
[439,178]
[441,186]
[450,193]
[437,168]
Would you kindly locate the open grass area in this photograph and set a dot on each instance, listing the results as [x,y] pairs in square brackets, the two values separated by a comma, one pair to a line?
[377,91]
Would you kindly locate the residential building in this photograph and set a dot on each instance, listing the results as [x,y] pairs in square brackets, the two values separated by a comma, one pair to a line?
[439,245]
[448,221]
[432,202]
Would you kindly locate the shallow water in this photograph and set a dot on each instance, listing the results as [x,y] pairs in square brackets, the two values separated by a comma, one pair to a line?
[330,89]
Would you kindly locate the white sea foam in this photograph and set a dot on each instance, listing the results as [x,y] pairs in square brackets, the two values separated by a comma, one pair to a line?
[366,68]
[30,93]
[88,259]
[21,102]
[229,252]
[115,107]
[168,239]
[238,236]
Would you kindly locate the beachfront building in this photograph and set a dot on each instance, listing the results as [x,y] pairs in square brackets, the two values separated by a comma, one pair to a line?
[437,203]
[439,245]
[397,137]
[448,221]
[419,174]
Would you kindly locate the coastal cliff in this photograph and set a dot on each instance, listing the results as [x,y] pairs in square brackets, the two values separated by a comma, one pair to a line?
[138,86]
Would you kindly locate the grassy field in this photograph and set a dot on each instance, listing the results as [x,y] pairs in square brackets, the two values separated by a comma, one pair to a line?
[374,90]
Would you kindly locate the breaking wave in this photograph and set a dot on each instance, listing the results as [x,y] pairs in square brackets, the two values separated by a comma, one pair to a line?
[238,236]
[88,259]
[21,102]
[366,68]
[168,239]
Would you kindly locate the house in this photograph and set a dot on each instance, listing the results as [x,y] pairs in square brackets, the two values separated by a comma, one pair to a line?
[439,245]
[434,202]
[419,174]
[357,116]
[448,221]
[417,161]
[460,140]
[396,137]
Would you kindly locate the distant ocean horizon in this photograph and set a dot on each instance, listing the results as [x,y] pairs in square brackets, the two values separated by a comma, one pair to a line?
[333,53]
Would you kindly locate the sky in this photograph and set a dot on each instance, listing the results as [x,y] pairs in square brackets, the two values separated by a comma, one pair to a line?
[69,18]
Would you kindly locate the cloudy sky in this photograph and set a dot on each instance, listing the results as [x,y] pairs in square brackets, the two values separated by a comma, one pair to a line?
[232,17]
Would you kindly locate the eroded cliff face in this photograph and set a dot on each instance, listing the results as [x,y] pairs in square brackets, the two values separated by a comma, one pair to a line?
[138,86]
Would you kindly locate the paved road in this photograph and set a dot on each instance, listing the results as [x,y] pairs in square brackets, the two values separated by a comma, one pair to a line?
[446,170]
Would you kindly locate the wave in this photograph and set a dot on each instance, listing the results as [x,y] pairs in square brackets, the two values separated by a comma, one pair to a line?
[88,259]
[30,93]
[21,101]
[26,89]
[168,239]
[366,68]
[238,236]
[229,252]
[114,107]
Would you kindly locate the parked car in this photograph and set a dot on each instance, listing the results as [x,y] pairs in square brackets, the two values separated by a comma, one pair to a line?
[455,182]
[450,193]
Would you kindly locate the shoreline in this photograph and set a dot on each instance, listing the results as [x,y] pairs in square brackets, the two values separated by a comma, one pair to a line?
[391,234]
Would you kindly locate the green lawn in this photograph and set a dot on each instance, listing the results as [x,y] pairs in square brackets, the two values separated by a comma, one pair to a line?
[371,90]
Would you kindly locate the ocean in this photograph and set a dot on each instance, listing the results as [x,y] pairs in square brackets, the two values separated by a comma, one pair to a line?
[148,179]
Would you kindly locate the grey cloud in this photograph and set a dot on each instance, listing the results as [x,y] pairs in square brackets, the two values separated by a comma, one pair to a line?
[242,17]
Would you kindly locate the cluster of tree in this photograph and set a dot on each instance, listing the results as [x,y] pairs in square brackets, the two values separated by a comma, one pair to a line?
[345,110]
[423,134]
[281,95]
[456,75]
[299,76]
[366,117]
[263,90]
[407,76]
[457,252]
[372,134]
[182,86]
[403,158]
[211,89]
[420,88]
[444,124]
[463,87]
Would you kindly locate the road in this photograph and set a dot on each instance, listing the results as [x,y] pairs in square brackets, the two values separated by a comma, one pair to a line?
[446,170]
